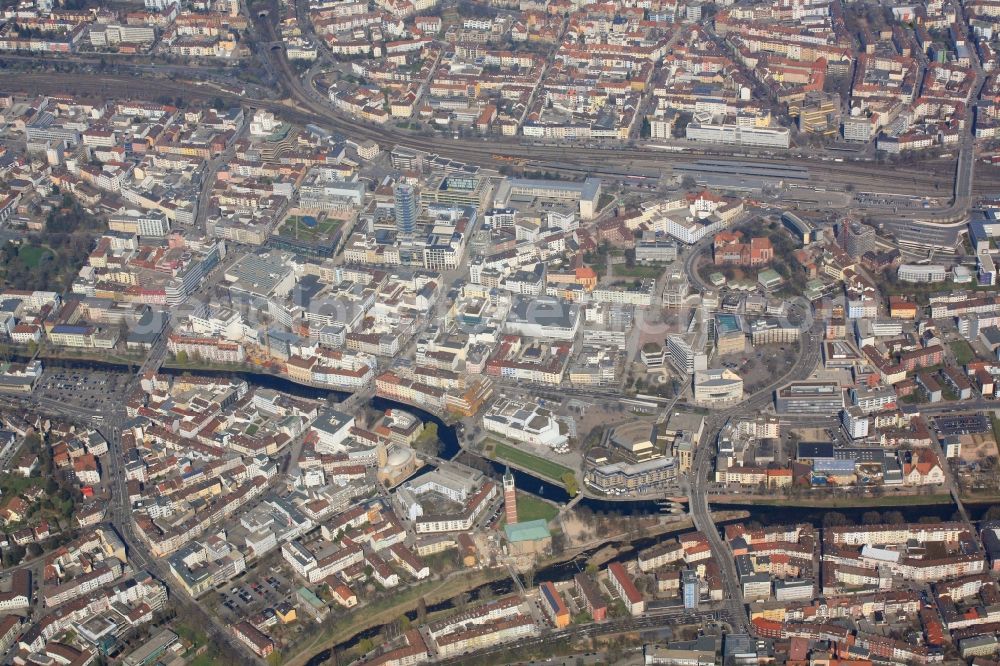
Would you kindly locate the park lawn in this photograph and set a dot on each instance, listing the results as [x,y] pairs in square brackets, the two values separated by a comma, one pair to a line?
[295,228]
[32,255]
[15,484]
[532,508]
[531,463]
[193,635]
[207,659]
[963,352]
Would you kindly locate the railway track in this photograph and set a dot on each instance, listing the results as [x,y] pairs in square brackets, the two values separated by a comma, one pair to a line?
[928,176]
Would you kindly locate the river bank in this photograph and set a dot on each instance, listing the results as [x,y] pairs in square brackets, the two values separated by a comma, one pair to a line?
[620,546]
[437,594]
[368,623]
[835,501]
[768,510]
[555,569]
[121,360]
[103,359]
[111,362]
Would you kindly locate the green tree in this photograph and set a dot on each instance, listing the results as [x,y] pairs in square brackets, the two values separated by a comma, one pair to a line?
[33,441]
[569,480]
[13,555]
[428,442]
[893,518]
[834,519]
[529,577]
[421,610]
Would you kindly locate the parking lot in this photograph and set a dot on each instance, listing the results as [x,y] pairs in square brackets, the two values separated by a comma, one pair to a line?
[80,387]
[254,593]
[962,424]
[894,201]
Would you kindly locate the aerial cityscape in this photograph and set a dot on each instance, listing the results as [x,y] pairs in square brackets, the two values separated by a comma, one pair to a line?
[391,332]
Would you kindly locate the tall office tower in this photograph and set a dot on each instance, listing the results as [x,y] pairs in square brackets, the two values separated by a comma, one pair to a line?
[509,498]
[857,238]
[406,209]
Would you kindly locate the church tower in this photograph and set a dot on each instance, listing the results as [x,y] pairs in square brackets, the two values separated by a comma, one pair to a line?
[509,497]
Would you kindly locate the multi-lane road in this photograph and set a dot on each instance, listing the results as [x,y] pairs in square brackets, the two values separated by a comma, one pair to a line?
[304,106]
[110,424]
[923,228]
[940,226]
[699,484]
[649,622]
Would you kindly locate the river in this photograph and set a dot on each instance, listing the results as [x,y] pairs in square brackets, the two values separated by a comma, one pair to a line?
[763,514]
[555,573]
[766,515]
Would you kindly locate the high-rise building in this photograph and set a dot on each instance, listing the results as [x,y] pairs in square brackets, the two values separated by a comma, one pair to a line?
[820,114]
[858,128]
[509,498]
[857,238]
[691,590]
[406,209]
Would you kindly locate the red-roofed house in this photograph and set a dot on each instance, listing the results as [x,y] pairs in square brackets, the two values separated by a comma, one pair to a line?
[622,584]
